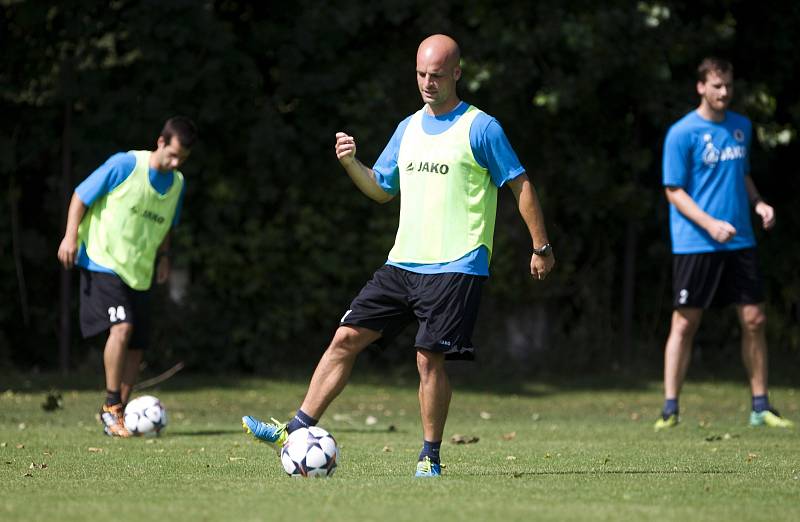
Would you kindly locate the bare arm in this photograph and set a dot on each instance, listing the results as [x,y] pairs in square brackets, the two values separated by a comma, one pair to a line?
[719,230]
[531,212]
[363,177]
[68,249]
[163,267]
[765,211]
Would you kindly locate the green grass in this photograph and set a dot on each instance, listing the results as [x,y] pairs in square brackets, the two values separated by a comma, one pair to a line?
[545,452]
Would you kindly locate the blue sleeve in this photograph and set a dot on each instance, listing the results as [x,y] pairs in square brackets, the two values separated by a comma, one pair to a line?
[492,150]
[675,167]
[177,217]
[386,171]
[106,178]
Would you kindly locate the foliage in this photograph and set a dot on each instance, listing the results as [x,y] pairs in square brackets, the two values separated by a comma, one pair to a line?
[274,235]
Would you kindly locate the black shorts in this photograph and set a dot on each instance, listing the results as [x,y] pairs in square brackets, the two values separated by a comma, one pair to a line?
[445,307]
[106,300]
[716,279]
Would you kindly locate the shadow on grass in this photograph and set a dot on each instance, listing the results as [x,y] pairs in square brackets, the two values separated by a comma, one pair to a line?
[203,433]
[370,431]
[605,472]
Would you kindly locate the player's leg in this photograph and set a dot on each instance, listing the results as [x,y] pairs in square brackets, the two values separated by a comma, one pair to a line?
[434,393]
[329,379]
[446,306]
[333,369]
[678,349]
[139,341]
[130,374]
[754,346]
[105,306]
[695,278]
[743,286]
[677,355]
[754,355]
[379,312]
[434,402]
[114,356]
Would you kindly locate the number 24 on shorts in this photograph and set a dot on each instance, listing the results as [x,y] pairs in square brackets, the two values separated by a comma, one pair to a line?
[116,314]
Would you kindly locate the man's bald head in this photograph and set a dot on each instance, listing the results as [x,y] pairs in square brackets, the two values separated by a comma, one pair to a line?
[440,48]
[438,70]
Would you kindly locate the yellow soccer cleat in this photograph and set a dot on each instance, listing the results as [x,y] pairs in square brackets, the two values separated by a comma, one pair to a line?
[426,468]
[670,422]
[770,418]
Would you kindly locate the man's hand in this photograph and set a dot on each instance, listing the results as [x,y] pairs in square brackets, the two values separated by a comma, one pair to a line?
[67,251]
[363,177]
[721,231]
[162,270]
[345,148]
[542,265]
[767,214]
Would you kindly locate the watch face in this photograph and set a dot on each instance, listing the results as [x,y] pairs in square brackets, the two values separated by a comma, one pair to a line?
[543,251]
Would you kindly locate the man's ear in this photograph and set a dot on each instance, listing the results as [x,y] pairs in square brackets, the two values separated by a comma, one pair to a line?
[457,73]
[161,142]
[701,88]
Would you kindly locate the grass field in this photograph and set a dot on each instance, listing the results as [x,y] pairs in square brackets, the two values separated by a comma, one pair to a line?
[545,452]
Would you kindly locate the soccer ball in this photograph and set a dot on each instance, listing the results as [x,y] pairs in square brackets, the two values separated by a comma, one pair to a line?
[146,416]
[310,452]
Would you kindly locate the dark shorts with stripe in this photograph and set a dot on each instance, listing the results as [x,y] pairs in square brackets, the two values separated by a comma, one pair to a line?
[106,300]
[444,306]
[716,279]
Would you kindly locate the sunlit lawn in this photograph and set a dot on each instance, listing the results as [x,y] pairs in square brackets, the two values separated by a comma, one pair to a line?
[544,452]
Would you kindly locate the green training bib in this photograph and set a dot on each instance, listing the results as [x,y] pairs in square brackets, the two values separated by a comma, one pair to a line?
[123,229]
[448,203]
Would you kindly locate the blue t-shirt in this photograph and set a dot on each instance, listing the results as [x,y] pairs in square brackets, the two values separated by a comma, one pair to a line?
[491,150]
[109,176]
[709,160]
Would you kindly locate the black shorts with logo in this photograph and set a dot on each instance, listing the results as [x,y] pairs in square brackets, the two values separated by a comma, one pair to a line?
[716,279]
[445,306]
[106,300]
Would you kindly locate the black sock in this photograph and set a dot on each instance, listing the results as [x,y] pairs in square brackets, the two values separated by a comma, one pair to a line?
[113,397]
[301,420]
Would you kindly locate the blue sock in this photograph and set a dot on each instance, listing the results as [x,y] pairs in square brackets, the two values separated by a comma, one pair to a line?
[430,450]
[670,408]
[301,420]
[760,403]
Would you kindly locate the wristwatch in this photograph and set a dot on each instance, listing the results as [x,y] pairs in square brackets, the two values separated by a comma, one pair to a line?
[544,250]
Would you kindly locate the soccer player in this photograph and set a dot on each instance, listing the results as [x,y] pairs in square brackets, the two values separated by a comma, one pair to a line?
[706,175]
[118,226]
[448,160]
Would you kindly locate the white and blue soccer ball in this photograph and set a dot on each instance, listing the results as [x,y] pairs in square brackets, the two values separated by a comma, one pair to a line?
[146,416]
[310,452]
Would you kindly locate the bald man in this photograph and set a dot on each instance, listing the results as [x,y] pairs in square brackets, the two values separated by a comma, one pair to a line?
[448,160]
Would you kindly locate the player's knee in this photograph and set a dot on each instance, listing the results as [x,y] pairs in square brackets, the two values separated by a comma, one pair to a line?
[754,322]
[346,342]
[429,362]
[122,331]
[684,325]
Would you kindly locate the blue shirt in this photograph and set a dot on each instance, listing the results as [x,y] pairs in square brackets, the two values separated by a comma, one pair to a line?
[710,161]
[109,176]
[492,151]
